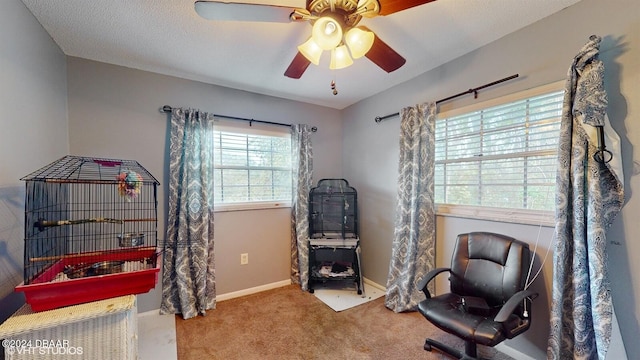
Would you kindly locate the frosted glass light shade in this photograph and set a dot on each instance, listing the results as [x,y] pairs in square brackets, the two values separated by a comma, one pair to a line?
[327,33]
[311,51]
[359,41]
[340,58]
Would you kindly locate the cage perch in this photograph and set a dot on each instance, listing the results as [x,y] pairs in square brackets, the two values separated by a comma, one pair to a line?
[86,254]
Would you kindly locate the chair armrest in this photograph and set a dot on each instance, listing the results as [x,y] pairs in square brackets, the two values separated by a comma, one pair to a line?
[422,285]
[511,304]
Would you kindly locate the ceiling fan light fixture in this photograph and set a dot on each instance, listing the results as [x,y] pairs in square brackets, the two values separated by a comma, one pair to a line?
[311,51]
[340,58]
[359,41]
[327,33]
[368,8]
[300,15]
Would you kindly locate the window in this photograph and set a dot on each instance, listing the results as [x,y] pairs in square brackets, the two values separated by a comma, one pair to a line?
[252,168]
[500,155]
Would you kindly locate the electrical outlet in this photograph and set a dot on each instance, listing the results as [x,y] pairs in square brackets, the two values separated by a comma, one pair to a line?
[244,259]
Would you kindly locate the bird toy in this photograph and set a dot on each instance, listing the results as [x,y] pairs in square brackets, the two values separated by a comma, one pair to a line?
[129,184]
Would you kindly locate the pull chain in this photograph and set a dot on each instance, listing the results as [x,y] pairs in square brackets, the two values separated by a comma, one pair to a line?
[334,89]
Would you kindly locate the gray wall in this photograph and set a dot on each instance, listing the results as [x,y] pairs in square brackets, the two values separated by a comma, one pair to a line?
[33,101]
[541,54]
[114,112]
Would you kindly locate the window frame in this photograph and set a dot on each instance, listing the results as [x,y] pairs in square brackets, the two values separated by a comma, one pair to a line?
[251,129]
[505,215]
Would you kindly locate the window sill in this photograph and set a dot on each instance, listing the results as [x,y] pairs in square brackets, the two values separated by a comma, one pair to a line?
[516,216]
[262,205]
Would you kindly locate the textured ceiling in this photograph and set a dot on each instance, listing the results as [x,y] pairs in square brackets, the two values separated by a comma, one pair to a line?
[168,37]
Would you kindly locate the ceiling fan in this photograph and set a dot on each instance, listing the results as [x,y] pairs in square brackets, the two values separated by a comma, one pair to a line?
[334,28]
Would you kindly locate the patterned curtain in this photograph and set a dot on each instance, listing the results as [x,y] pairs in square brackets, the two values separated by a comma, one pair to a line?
[188,280]
[413,253]
[588,196]
[302,158]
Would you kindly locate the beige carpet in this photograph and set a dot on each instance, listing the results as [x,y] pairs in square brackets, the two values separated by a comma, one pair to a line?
[288,323]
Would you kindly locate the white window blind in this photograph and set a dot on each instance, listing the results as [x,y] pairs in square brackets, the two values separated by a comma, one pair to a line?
[251,167]
[503,156]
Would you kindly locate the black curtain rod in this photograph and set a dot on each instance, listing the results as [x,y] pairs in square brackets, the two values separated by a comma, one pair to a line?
[168,109]
[473,91]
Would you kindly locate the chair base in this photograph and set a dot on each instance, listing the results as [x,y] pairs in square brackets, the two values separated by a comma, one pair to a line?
[470,353]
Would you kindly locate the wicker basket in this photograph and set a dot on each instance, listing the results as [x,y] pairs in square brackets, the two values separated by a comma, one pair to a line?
[105,329]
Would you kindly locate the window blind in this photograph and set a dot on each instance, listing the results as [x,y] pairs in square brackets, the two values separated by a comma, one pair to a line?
[251,167]
[501,156]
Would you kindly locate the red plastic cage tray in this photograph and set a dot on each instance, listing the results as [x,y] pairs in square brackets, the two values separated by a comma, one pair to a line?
[43,294]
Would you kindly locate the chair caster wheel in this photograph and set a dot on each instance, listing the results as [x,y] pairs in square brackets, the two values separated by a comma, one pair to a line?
[359,292]
[311,291]
[427,346]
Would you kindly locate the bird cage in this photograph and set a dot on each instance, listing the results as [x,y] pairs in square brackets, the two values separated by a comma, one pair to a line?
[333,210]
[90,232]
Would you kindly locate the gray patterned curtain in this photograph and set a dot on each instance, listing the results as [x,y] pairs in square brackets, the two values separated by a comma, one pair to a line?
[188,279]
[302,159]
[413,253]
[588,196]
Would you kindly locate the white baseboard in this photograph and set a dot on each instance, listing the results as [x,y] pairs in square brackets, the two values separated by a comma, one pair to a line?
[253,290]
[257,289]
[375,285]
[507,350]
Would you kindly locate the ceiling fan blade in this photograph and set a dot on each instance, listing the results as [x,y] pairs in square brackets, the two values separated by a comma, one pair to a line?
[393,6]
[297,66]
[236,11]
[384,56]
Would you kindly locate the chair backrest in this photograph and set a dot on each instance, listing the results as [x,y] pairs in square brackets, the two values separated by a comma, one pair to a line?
[490,266]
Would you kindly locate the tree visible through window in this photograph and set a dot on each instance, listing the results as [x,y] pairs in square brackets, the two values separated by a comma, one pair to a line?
[252,167]
[502,156]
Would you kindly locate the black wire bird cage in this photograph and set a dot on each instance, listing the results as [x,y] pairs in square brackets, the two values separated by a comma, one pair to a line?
[333,210]
[90,231]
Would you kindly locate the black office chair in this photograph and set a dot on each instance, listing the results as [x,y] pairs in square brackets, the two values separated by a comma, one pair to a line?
[487,302]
